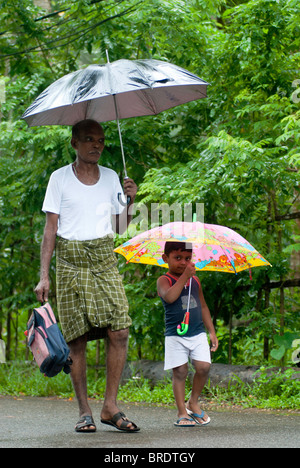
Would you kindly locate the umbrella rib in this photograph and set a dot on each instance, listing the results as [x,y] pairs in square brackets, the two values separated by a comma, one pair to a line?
[144,243]
[232,265]
[149,101]
[87,108]
[227,256]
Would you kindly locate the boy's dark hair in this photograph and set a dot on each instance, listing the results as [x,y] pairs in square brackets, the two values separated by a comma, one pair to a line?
[183,246]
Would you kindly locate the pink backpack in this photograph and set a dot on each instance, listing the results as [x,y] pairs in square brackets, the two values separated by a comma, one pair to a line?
[46,342]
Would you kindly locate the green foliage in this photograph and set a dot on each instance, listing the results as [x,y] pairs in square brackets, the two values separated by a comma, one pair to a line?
[276,390]
[236,151]
[284,343]
[19,379]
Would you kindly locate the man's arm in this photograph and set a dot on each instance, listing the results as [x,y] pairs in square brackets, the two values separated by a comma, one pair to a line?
[122,221]
[47,249]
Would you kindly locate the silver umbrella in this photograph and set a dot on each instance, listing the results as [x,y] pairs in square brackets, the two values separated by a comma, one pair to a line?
[113,91]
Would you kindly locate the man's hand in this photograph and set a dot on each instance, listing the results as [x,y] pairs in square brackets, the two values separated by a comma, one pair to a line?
[130,189]
[42,290]
[122,221]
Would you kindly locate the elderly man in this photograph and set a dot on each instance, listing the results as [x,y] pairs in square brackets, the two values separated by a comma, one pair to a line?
[84,205]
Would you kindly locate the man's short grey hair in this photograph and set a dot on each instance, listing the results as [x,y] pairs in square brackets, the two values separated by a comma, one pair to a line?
[83,125]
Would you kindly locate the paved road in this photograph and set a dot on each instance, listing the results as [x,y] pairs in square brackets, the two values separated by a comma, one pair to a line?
[48,423]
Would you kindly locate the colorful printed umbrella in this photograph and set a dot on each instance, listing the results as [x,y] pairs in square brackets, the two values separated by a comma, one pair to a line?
[215,248]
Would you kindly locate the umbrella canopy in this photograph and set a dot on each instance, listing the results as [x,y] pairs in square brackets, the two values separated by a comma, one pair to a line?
[117,90]
[215,248]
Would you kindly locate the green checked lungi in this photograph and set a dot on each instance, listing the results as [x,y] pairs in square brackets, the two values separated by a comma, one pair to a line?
[89,288]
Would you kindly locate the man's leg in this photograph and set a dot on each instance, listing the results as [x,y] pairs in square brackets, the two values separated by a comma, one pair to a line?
[78,375]
[117,342]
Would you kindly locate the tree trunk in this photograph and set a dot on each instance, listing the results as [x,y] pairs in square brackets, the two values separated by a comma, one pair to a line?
[8,336]
[266,338]
[230,335]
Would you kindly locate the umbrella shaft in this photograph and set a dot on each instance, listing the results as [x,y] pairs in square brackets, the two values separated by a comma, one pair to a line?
[189,298]
[121,142]
[119,128]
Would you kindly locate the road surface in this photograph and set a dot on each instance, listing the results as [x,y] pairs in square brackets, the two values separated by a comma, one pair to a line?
[27,422]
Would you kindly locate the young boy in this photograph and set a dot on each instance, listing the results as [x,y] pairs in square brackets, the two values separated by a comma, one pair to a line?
[173,289]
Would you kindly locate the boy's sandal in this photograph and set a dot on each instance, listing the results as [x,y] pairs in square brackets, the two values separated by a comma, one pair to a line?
[197,416]
[177,423]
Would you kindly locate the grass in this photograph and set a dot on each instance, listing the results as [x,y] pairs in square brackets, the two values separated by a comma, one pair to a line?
[278,391]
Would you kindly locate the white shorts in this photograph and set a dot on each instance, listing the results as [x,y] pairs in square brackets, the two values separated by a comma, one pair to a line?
[179,349]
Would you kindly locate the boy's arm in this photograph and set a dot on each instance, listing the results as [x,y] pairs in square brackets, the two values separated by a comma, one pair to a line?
[206,317]
[171,293]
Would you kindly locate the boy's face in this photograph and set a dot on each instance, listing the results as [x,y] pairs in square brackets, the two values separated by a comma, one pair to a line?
[177,261]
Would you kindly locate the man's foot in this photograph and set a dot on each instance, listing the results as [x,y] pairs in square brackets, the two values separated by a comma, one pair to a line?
[85,424]
[121,422]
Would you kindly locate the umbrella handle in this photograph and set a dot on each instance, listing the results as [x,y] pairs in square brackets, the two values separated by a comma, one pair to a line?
[121,201]
[120,196]
[183,328]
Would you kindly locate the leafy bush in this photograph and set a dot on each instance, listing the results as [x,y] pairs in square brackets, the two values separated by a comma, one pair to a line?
[280,390]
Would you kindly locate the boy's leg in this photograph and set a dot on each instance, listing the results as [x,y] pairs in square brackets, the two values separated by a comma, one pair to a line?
[200,378]
[179,378]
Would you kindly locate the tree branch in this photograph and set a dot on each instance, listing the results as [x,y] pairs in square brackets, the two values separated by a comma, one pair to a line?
[77,34]
[287,216]
[55,13]
[289,283]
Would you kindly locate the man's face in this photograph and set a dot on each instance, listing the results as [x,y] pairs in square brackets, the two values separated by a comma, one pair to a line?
[90,144]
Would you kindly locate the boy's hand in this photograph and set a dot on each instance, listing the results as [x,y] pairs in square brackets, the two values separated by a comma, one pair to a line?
[190,270]
[213,342]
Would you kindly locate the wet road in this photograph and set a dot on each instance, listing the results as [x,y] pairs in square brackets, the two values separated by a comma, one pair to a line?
[49,423]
